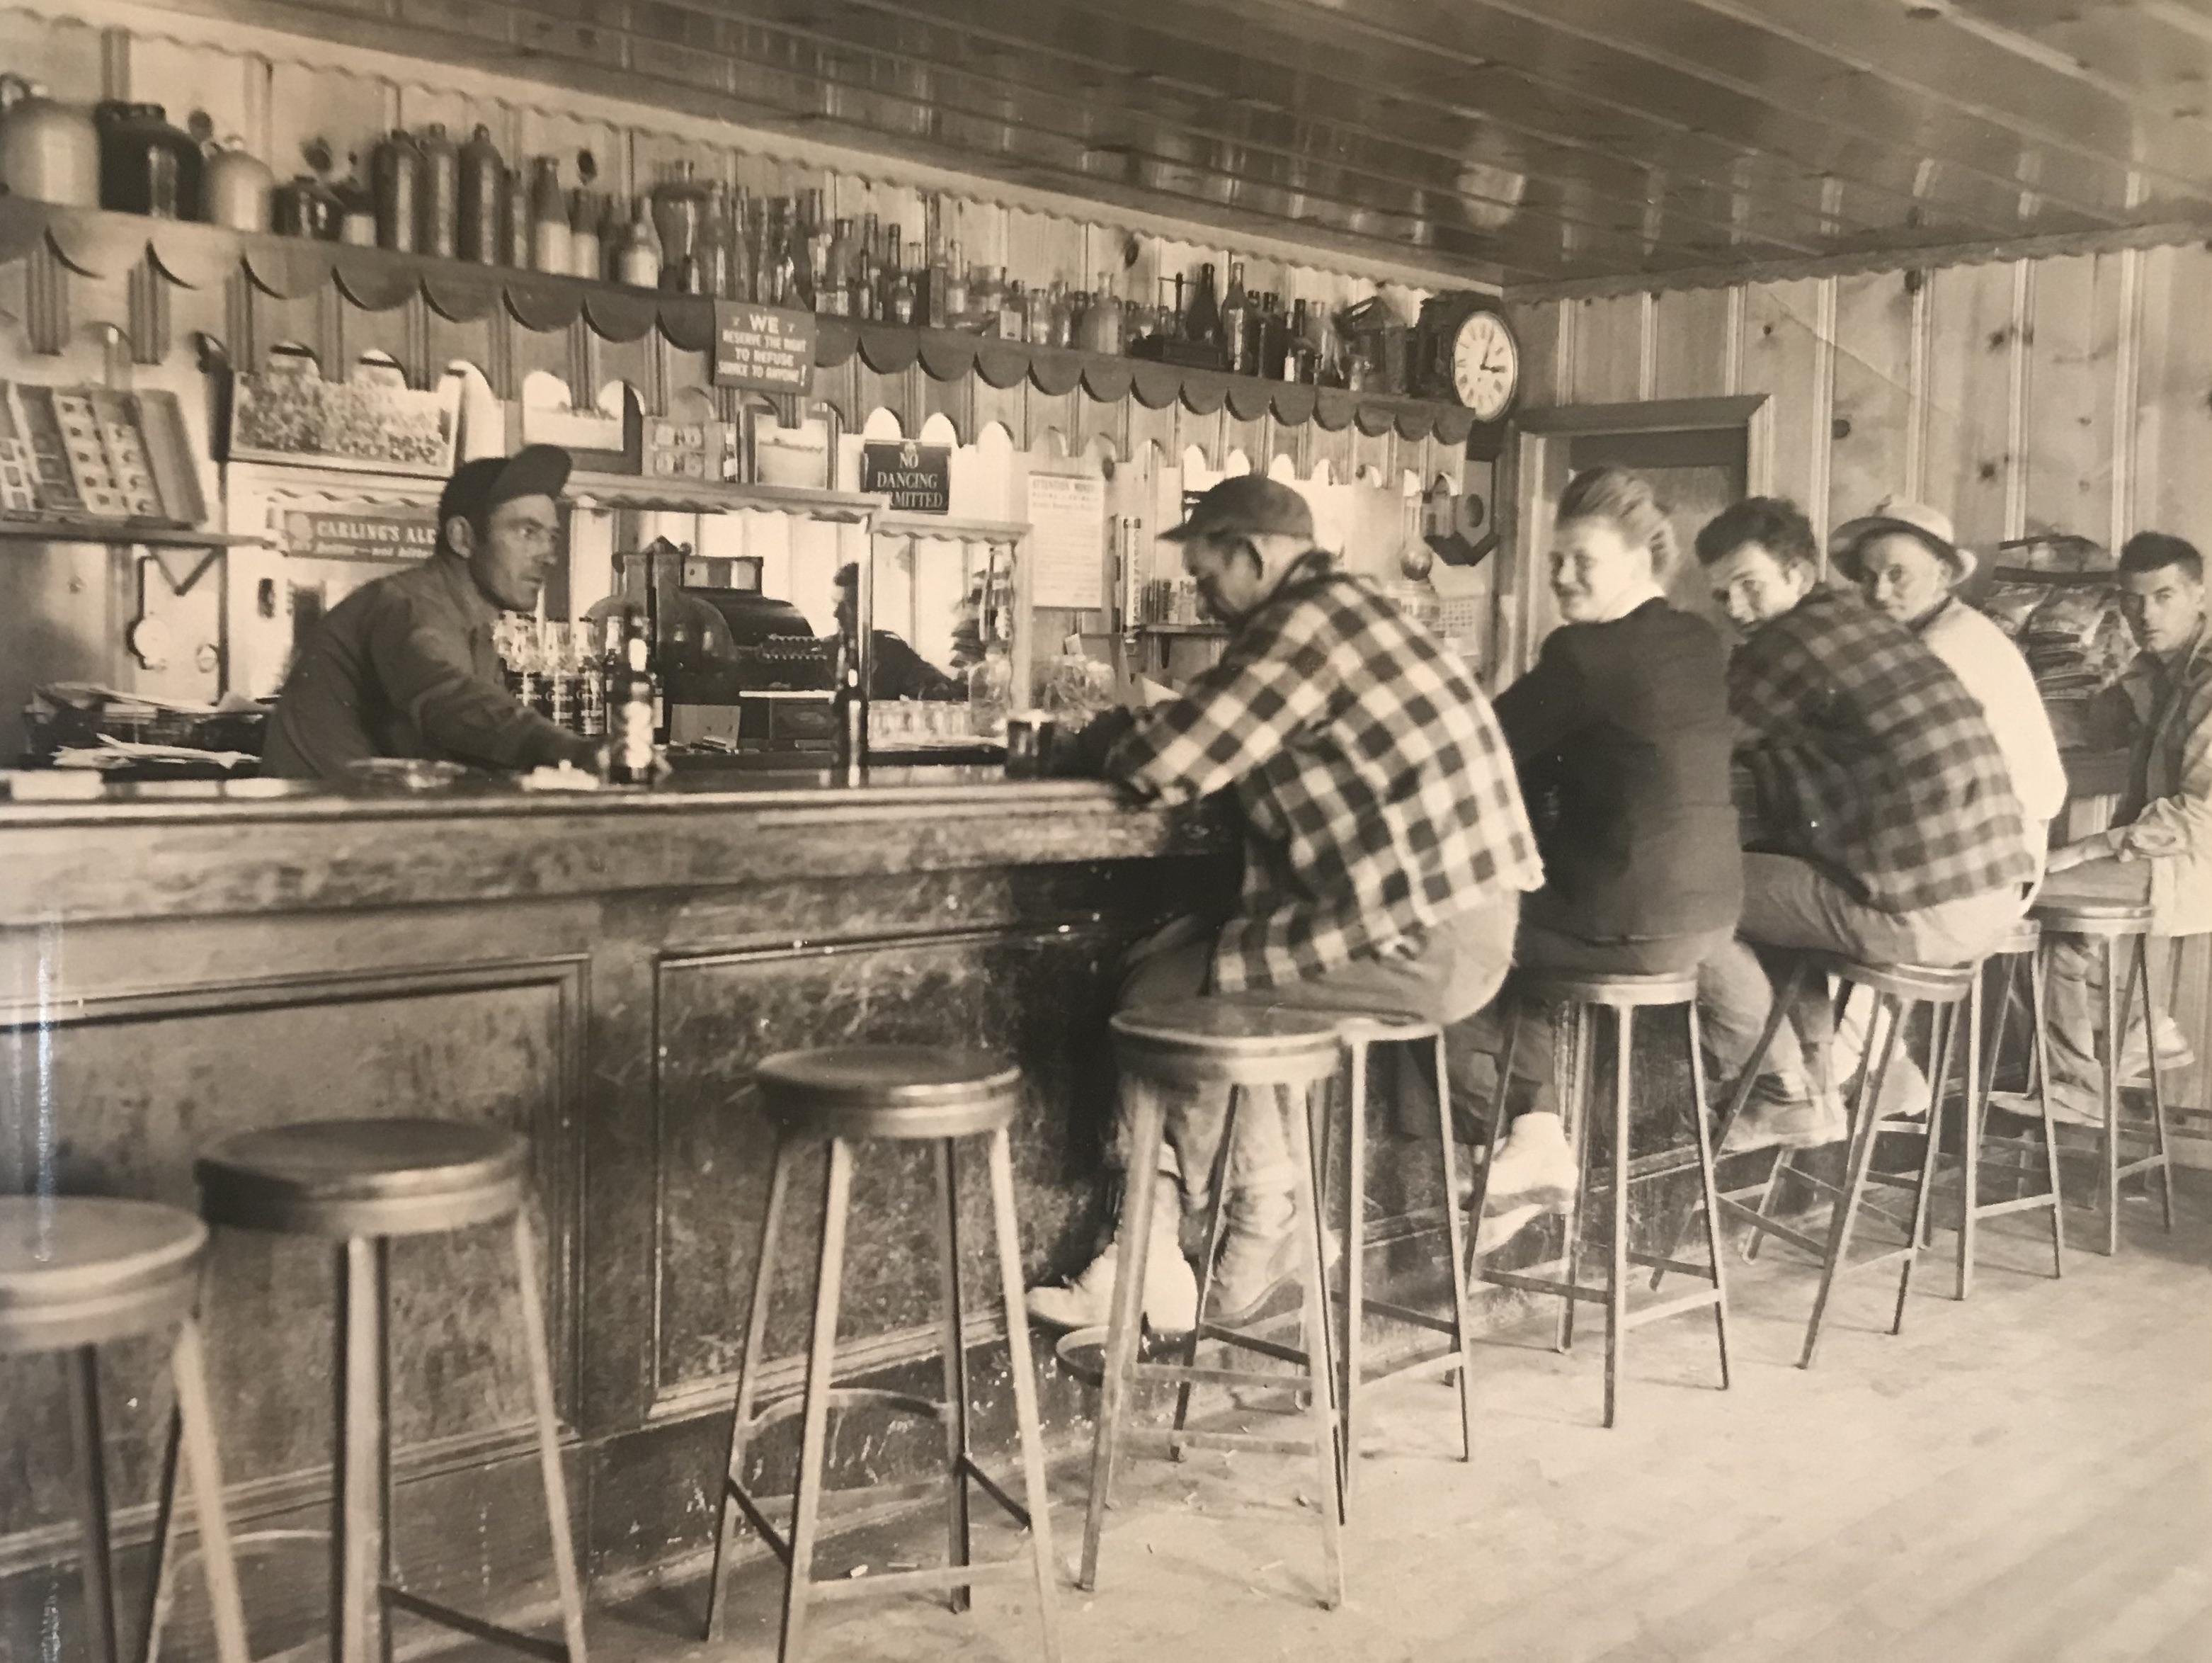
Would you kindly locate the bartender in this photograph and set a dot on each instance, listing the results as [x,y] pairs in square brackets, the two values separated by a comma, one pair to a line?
[405,666]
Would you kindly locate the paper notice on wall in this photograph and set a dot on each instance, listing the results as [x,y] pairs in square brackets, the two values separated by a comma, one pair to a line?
[1067,540]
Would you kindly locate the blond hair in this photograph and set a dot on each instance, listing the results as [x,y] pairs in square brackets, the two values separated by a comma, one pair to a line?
[1626,500]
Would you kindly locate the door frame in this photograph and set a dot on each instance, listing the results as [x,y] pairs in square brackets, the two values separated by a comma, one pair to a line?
[1533,468]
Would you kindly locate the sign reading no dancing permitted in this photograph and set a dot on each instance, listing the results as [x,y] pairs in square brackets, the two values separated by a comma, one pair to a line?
[768,349]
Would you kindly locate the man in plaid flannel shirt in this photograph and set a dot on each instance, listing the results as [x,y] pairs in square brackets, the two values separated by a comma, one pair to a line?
[1386,850]
[1889,830]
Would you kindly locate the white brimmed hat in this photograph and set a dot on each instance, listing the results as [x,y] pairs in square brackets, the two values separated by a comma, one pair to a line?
[1930,525]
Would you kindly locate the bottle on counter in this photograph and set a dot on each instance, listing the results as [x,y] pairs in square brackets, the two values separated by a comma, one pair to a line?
[439,205]
[395,177]
[1013,310]
[955,309]
[550,249]
[591,681]
[1237,319]
[1301,358]
[849,705]
[635,711]
[1038,318]
[1104,324]
[738,286]
[482,197]
[638,260]
[715,240]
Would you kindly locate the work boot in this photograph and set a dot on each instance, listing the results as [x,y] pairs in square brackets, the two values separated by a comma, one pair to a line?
[1259,1256]
[1170,1303]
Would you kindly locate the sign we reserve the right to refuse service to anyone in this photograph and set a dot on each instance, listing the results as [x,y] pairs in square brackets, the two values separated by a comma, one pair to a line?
[765,349]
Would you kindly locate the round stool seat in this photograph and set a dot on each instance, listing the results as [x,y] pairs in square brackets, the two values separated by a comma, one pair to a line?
[1212,1043]
[1386,1027]
[2023,937]
[364,1177]
[2087,914]
[1622,989]
[81,1269]
[889,1091]
[1936,984]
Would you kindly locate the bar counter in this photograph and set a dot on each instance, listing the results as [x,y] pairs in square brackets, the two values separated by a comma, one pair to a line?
[599,970]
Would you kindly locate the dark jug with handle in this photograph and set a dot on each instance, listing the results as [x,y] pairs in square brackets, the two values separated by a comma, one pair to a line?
[146,165]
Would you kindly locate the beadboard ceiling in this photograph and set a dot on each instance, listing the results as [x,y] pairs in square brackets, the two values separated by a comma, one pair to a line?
[1519,141]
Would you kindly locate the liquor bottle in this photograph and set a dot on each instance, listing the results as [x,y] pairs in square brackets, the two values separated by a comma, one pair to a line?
[639,263]
[1202,322]
[636,711]
[1043,303]
[836,296]
[888,272]
[587,254]
[1013,308]
[591,704]
[560,676]
[549,248]
[1274,338]
[937,285]
[715,241]
[903,299]
[760,279]
[1107,323]
[1301,359]
[849,705]
[518,219]
[1173,326]
[1237,324]
[440,199]
[739,285]
[481,187]
[955,289]
[783,278]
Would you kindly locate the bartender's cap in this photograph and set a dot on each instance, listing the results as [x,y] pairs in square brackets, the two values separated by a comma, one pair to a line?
[478,487]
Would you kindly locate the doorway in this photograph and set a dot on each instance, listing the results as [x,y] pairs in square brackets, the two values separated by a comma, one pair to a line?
[1700,454]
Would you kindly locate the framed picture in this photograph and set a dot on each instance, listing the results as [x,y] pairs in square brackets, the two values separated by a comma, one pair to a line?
[373,423]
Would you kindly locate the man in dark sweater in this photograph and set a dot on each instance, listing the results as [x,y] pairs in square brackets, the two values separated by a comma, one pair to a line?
[1622,736]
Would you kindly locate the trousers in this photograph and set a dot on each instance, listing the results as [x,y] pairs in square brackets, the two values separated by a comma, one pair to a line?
[1456,971]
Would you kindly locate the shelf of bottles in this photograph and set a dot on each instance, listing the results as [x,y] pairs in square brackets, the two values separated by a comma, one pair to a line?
[469,241]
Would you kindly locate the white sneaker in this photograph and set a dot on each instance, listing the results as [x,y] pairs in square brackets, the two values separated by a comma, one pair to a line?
[1535,1165]
[1086,1301]
[2174,1053]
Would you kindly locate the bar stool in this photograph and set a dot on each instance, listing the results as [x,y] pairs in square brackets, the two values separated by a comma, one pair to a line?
[2116,922]
[1359,1035]
[1624,994]
[77,1272]
[1899,990]
[360,1183]
[1205,1045]
[842,1096]
[2022,945]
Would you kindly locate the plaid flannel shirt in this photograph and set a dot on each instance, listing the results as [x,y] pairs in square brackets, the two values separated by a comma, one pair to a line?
[1379,795]
[1872,759]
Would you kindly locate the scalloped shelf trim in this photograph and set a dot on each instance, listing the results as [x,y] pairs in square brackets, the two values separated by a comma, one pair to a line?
[98,244]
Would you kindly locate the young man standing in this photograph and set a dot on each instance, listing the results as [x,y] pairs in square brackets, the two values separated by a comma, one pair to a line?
[2160,844]
[1386,851]
[1888,829]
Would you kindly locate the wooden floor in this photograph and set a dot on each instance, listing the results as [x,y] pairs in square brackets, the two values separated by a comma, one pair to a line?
[2028,1476]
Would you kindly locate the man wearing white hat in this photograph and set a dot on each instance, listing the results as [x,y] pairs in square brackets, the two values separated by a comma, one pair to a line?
[1906,559]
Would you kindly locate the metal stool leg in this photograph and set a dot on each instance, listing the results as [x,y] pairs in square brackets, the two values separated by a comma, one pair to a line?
[821,1364]
[1709,1184]
[1217,1190]
[2157,1087]
[1942,1051]
[2039,1061]
[1576,1100]
[1616,1273]
[1355,1258]
[1983,1054]
[1322,1409]
[1859,1159]
[98,1572]
[188,1366]
[1027,1424]
[1480,1195]
[2115,1016]
[359,1552]
[1455,1235]
[957,1543]
[733,1465]
[558,1520]
[1122,1333]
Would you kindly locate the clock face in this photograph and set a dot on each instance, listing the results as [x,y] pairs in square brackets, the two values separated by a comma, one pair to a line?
[1485,365]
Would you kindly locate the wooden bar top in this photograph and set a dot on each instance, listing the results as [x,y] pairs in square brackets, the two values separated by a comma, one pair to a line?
[210,850]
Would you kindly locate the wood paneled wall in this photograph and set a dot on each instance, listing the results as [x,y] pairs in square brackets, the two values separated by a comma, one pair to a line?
[2069,394]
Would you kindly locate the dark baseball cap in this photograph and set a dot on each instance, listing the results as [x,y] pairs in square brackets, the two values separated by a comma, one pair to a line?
[1247,504]
[478,487]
